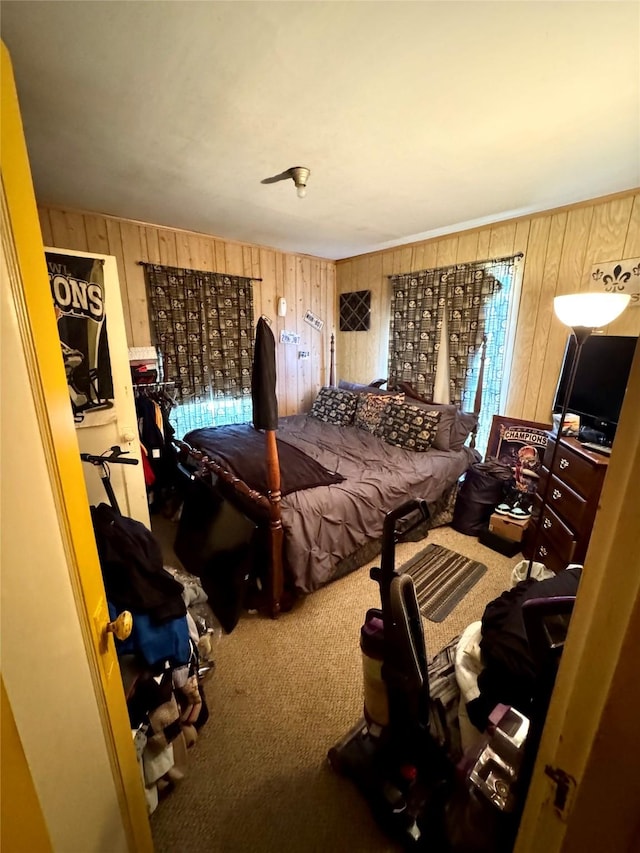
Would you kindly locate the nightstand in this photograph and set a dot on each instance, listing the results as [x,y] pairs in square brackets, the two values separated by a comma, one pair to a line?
[572,501]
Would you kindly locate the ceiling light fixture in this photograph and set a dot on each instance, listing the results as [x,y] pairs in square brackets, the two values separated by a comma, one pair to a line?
[300,175]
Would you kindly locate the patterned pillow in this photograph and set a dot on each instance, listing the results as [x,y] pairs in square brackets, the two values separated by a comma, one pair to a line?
[334,406]
[407,426]
[370,408]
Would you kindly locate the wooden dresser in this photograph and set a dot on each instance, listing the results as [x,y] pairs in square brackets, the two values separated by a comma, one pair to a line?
[572,501]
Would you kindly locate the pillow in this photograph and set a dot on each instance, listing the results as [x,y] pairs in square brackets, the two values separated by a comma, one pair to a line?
[448,413]
[356,388]
[370,408]
[334,406]
[464,423]
[408,426]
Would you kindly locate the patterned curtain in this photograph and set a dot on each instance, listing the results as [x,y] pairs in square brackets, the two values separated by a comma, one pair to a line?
[417,308]
[469,288]
[476,297]
[203,326]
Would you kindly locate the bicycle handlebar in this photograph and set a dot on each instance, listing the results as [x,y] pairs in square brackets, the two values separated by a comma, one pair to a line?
[115,455]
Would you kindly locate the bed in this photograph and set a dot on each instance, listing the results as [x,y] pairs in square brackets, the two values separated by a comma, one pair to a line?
[328,521]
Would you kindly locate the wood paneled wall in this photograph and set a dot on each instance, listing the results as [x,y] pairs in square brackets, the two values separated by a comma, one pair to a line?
[560,248]
[307,283]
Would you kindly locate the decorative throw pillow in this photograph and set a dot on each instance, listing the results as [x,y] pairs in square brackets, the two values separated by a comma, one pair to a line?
[370,408]
[334,406]
[446,423]
[408,426]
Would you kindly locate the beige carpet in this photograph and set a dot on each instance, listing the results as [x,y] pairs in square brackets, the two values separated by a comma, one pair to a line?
[283,692]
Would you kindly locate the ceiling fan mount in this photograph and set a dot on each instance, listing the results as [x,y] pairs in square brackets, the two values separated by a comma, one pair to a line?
[298,174]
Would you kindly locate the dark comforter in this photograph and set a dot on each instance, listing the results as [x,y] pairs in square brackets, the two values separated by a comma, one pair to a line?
[324,525]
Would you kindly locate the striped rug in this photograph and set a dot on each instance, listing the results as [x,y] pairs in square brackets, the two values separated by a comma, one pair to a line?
[442,579]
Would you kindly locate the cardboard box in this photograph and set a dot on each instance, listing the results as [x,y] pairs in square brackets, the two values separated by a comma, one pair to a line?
[499,543]
[508,528]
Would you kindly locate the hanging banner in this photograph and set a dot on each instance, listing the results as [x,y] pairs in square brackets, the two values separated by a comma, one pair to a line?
[77,288]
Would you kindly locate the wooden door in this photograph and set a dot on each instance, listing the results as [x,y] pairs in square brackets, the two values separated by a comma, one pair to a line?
[60,670]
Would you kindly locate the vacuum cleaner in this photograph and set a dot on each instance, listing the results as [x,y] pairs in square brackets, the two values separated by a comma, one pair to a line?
[390,753]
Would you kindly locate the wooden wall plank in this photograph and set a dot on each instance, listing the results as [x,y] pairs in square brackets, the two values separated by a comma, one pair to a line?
[467,247]
[528,309]
[139,333]
[116,249]
[167,245]
[501,240]
[45,227]
[545,318]
[447,251]
[632,242]
[97,236]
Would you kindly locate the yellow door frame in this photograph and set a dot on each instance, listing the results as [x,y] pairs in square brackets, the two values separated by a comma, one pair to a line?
[41,342]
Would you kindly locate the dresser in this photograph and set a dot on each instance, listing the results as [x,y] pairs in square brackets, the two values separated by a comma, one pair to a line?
[572,501]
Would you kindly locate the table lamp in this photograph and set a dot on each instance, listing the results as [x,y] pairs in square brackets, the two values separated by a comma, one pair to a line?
[582,312]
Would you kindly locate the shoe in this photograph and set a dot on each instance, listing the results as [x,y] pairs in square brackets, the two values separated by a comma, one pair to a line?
[519,514]
[503,509]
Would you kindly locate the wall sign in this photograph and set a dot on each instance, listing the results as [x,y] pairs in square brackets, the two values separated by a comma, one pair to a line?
[619,277]
[314,321]
[289,337]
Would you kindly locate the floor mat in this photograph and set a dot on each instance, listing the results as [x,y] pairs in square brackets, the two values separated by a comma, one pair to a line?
[442,578]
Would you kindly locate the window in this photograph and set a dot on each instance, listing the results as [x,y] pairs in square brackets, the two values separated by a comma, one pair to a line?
[454,309]
[203,326]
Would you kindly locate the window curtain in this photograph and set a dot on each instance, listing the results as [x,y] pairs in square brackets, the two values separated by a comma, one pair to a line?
[203,326]
[473,299]
[417,308]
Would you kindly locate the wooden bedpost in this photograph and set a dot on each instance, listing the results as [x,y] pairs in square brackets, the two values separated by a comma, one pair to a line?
[332,361]
[276,575]
[477,403]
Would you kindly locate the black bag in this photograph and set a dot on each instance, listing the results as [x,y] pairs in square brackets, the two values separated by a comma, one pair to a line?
[482,490]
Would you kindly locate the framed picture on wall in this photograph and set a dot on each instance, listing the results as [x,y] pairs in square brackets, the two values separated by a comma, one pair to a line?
[521,445]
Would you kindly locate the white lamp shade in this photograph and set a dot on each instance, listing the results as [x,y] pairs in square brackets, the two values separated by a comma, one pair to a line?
[590,310]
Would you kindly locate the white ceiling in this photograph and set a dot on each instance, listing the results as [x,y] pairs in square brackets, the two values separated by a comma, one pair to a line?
[415,118]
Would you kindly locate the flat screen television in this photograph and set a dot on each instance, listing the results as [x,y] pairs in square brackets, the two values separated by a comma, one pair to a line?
[600,384]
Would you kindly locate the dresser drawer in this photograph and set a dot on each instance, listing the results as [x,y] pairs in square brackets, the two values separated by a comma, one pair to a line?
[568,504]
[547,554]
[556,533]
[576,468]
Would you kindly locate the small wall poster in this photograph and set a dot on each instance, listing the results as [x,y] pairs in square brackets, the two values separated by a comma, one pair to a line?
[77,289]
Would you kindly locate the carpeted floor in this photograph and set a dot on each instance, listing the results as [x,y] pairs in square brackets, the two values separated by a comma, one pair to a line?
[282,693]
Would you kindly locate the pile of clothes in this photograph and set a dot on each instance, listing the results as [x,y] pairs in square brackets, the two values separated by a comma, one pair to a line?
[169,651]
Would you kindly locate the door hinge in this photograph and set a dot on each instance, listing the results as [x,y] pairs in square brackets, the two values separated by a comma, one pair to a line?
[565,790]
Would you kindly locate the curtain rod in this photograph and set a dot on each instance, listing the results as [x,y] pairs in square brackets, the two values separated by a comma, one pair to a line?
[515,257]
[206,272]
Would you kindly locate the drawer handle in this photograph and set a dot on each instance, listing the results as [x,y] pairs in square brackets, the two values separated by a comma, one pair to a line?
[564,463]
[546,523]
[556,494]
[542,551]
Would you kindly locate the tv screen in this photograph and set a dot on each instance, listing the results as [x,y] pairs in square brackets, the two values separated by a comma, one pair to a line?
[601,380]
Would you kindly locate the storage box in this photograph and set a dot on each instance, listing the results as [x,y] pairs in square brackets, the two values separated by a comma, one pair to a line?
[499,543]
[508,528]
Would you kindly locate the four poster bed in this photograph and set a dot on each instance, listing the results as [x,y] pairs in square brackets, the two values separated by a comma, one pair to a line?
[318,489]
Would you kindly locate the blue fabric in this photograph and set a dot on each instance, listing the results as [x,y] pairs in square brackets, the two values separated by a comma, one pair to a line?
[156,643]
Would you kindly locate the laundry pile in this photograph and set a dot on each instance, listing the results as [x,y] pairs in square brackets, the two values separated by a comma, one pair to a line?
[169,650]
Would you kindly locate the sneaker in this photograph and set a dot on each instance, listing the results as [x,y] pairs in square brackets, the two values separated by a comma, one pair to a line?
[503,509]
[518,513]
